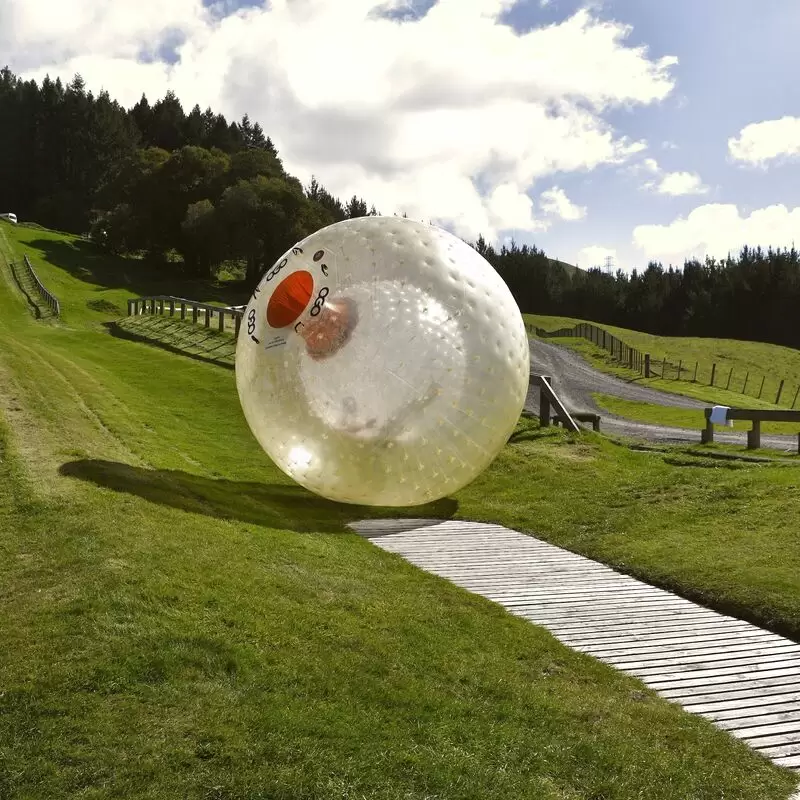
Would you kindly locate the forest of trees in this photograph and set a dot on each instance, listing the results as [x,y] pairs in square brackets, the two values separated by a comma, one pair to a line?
[153,180]
[193,191]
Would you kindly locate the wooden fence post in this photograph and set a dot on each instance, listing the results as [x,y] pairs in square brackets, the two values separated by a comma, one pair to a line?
[707,435]
[713,373]
[172,308]
[161,307]
[238,318]
[208,318]
[130,308]
[754,436]
[194,314]
[762,387]
[680,364]
[744,388]
[544,406]
[696,364]
[795,396]
[221,321]
[647,365]
[183,310]
[780,391]
[728,384]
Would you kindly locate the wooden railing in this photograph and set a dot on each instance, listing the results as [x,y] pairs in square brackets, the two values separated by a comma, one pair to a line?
[756,416]
[48,297]
[548,399]
[166,304]
[620,351]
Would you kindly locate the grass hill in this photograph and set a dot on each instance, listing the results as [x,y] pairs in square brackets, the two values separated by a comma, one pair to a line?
[568,268]
[180,620]
[762,365]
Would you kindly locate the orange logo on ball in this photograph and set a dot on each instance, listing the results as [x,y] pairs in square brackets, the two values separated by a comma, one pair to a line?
[289,299]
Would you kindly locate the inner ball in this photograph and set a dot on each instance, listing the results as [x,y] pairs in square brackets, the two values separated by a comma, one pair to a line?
[382,361]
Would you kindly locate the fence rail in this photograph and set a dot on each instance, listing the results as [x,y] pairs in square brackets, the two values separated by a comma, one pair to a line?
[762,387]
[620,351]
[162,304]
[48,297]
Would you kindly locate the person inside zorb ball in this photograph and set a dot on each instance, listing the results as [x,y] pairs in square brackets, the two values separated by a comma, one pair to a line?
[382,362]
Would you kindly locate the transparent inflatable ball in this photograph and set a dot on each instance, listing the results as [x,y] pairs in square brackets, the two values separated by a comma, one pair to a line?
[382,362]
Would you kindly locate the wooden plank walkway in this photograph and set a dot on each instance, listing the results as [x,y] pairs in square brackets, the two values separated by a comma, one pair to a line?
[742,678]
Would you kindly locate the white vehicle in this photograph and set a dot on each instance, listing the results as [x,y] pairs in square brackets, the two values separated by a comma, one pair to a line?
[10,217]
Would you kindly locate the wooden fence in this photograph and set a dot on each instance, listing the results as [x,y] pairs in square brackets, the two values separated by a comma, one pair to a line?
[620,351]
[48,297]
[756,416]
[166,304]
[771,389]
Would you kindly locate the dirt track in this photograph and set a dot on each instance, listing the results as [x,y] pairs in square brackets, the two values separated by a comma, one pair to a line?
[575,381]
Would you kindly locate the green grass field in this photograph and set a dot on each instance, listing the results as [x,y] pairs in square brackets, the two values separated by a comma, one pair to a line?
[181,620]
[738,360]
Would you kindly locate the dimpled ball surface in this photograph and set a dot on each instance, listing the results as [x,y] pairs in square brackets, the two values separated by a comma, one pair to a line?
[382,361]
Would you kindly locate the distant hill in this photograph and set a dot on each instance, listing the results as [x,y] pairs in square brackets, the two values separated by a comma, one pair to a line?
[571,269]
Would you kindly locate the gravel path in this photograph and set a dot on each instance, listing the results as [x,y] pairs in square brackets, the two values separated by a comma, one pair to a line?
[575,380]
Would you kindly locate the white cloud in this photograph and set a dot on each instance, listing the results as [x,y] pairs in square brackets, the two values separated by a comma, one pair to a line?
[674,184]
[650,165]
[677,184]
[763,142]
[556,203]
[512,208]
[716,229]
[595,256]
[411,114]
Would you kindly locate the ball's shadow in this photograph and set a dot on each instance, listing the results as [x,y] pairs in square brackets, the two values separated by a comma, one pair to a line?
[282,506]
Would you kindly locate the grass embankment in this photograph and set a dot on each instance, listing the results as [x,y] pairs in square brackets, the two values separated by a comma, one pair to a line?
[180,620]
[756,359]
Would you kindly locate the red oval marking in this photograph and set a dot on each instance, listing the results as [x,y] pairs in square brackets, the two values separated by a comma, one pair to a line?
[289,299]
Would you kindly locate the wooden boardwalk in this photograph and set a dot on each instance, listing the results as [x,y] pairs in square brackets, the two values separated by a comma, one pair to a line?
[742,678]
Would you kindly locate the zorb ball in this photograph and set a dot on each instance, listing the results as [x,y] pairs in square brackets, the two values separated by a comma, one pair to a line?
[383,362]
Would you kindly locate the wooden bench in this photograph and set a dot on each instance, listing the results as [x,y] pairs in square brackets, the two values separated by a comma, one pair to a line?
[580,416]
[756,416]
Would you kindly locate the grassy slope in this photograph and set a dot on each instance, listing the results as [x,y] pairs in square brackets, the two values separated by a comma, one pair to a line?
[179,620]
[756,358]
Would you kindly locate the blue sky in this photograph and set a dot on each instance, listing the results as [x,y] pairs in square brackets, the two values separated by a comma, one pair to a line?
[571,129]
[737,65]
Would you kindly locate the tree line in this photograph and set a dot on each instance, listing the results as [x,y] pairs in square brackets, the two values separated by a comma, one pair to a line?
[187,191]
[194,191]
[753,296]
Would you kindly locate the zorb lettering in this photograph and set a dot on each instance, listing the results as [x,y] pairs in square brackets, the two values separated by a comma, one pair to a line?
[383,362]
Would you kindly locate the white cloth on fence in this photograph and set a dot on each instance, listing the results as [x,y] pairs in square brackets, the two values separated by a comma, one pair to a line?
[719,416]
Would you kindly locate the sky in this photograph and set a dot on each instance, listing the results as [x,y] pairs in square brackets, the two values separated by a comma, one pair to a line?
[636,129]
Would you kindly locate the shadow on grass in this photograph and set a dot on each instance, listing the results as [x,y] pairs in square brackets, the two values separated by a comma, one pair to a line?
[282,506]
[90,263]
[178,346]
